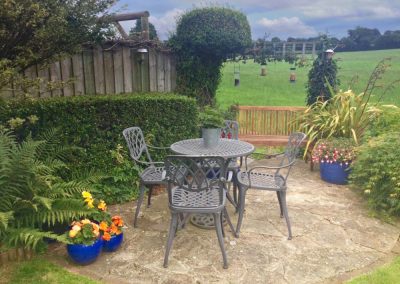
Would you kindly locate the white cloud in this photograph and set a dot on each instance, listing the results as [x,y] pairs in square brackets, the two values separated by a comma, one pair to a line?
[289,26]
[166,23]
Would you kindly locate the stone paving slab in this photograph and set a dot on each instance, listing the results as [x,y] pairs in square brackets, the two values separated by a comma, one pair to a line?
[332,235]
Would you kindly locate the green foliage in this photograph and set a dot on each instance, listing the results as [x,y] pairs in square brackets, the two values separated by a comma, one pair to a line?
[376,172]
[211,118]
[35,32]
[33,196]
[387,121]
[95,125]
[344,115]
[321,77]
[137,29]
[205,37]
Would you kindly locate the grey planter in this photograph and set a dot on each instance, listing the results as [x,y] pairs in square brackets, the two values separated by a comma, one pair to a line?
[211,137]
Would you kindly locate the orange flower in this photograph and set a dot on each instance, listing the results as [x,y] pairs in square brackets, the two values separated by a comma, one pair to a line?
[113,229]
[117,220]
[76,228]
[95,227]
[106,236]
[103,226]
[96,233]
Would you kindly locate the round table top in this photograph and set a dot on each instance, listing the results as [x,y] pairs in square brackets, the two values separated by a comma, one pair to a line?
[226,148]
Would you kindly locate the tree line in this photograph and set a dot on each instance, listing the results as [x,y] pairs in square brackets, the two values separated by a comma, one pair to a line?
[357,39]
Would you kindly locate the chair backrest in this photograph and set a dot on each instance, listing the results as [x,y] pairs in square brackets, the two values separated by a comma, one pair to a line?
[137,145]
[197,174]
[292,149]
[230,130]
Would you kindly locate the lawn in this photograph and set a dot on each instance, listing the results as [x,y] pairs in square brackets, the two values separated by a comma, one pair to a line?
[387,274]
[276,90]
[39,271]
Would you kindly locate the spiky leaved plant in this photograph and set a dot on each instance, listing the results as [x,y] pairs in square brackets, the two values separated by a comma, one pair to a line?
[32,195]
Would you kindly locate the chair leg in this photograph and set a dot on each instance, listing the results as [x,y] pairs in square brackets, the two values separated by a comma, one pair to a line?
[218,227]
[228,219]
[171,234]
[139,203]
[149,196]
[235,196]
[242,199]
[285,212]
[280,203]
[221,219]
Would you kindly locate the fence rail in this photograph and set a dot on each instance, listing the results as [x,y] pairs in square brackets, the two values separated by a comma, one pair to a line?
[268,120]
[105,71]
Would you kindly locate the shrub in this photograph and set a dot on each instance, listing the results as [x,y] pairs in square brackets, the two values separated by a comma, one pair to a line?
[204,38]
[376,172]
[95,124]
[33,197]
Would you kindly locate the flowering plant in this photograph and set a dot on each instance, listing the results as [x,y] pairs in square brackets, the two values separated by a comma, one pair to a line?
[334,150]
[83,232]
[91,202]
[111,228]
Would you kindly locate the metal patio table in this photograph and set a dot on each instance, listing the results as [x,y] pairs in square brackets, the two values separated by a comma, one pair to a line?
[226,148]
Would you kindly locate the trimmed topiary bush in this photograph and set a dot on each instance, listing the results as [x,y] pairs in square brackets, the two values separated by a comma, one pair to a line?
[204,38]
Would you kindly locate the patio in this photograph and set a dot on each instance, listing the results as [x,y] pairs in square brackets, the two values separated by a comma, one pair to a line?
[333,238]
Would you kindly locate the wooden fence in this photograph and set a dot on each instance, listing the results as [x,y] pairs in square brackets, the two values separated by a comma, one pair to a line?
[268,120]
[106,71]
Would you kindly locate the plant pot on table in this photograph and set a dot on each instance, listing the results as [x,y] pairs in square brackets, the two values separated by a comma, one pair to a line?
[211,137]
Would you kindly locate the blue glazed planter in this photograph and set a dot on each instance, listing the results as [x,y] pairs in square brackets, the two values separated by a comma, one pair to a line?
[334,172]
[85,254]
[114,243]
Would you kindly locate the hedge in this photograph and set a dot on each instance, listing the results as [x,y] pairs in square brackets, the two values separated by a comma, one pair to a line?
[95,123]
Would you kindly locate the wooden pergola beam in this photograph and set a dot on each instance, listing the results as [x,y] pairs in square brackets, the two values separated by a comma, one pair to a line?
[129,16]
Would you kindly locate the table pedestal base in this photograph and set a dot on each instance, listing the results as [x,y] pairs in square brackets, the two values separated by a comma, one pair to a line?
[204,221]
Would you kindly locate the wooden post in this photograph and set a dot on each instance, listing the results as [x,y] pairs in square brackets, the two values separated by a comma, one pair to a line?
[145,27]
[127,62]
[118,71]
[313,48]
[98,62]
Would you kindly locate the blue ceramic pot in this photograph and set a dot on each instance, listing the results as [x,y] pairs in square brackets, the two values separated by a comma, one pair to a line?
[114,243]
[85,254]
[334,172]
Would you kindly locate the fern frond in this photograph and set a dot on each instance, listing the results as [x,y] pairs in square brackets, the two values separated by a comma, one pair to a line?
[5,217]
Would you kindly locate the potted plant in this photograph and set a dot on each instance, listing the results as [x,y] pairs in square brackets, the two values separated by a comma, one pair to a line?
[84,240]
[112,234]
[211,121]
[334,156]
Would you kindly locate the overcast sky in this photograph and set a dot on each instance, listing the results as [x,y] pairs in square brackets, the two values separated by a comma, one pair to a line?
[282,18]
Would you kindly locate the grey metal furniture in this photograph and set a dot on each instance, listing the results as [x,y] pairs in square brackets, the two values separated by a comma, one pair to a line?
[152,174]
[196,185]
[272,179]
[226,148]
[231,131]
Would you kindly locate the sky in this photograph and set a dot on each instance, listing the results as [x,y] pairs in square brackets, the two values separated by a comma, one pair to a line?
[281,18]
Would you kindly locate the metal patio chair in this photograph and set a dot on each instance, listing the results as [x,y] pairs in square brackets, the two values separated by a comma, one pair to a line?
[272,180]
[231,131]
[196,185]
[152,174]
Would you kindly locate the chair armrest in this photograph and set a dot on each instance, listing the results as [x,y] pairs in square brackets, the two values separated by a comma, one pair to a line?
[272,168]
[270,156]
[159,148]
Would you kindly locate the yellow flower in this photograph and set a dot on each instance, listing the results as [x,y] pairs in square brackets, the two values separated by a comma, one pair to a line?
[90,203]
[96,233]
[85,221]
[102,205]
[86,195]
[103,226]
[76,228]
[72,233]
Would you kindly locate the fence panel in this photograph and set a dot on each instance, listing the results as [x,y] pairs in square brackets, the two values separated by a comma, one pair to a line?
[97,70]
[268,120]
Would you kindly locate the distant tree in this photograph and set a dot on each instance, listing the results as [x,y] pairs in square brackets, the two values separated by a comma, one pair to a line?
[364,38]
[35,32]
[275,39]
[138,28]
[390,39]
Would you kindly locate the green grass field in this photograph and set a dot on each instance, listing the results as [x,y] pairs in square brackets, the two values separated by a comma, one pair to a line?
[276,90]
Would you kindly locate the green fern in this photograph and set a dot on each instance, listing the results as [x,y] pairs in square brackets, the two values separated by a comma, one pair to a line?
[33,195]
